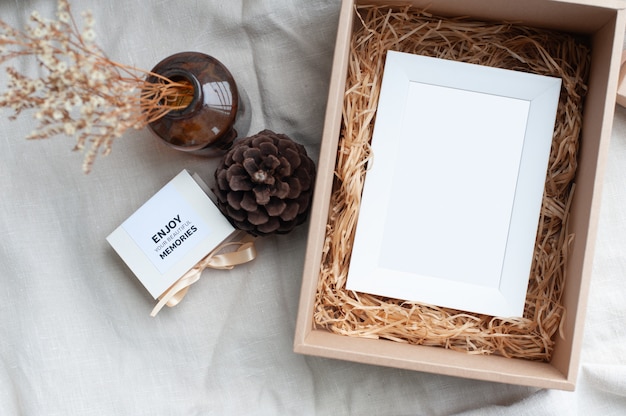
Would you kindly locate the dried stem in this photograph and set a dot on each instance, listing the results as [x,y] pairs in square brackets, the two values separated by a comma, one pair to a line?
[82,92]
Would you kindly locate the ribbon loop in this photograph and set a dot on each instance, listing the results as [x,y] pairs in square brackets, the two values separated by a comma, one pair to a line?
[245,252]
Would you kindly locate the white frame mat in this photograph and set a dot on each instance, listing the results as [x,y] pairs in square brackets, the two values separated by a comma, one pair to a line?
[452,196]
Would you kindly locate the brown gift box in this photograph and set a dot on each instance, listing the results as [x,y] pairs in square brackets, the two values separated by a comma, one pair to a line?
[603,22]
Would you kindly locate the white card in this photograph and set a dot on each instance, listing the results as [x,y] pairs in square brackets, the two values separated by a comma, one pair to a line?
[452,197]
[170,233]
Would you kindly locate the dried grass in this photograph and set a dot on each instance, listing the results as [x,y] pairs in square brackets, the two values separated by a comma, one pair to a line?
[503,45]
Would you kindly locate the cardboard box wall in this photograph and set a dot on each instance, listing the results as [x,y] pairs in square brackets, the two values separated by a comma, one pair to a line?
[603,22]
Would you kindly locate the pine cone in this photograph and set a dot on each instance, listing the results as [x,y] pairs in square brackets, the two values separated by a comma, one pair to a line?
[265,184]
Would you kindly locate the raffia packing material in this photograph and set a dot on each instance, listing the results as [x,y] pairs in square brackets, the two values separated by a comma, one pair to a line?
[600,25]
[497,45]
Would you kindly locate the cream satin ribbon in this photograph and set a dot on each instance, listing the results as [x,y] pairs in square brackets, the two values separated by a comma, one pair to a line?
[225,261]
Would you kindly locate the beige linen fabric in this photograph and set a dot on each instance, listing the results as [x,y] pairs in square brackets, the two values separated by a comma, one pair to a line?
[76,337]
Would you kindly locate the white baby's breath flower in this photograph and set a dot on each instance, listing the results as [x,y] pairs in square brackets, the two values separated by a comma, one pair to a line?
[88,18]
[39,84]
[69,128]
[98,75]
[47,60]
[68,79]
[89,35]
[96,101]
[46,50]
[38,32]
[86,109]
[64,16]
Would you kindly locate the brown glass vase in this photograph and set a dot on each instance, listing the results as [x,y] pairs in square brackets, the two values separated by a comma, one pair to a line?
[217,113]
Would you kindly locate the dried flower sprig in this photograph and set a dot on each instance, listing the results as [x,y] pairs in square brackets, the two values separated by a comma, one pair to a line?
[82,92]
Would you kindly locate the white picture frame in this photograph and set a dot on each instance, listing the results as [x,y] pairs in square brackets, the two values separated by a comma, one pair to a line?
[452,196]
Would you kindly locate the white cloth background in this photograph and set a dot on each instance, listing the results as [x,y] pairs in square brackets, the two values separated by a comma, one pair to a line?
[76,337]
